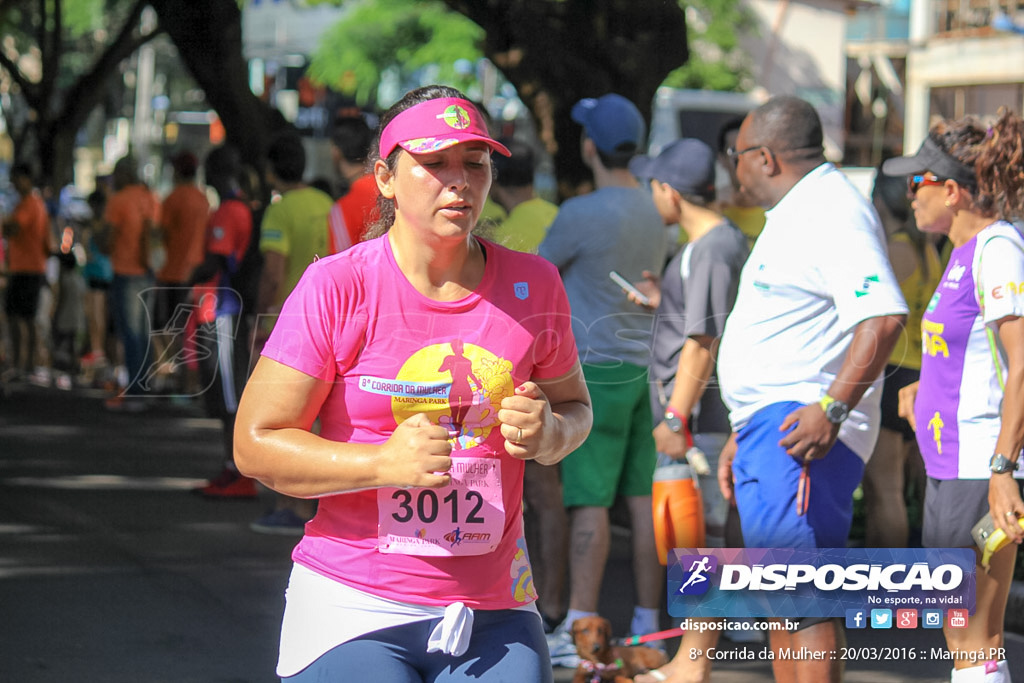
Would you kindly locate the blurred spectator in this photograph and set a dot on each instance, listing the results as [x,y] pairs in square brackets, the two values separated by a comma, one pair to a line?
[183,218]
[817,314]
[614,228]
[29,242]
[918,268]
[529,216]
[692,300]
[98,273]
[353,213]
[293,234]
[224,333]
[734,202]
[130,216]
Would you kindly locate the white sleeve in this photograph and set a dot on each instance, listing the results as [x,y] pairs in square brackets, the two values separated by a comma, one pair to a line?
[1001,279]
[860,278]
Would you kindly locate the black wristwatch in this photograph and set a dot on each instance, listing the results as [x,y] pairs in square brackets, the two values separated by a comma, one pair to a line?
[674,422]
[1000,464]
[835,411]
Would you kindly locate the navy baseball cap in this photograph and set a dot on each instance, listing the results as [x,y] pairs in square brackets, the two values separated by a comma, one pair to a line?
[688,165]
[612,122]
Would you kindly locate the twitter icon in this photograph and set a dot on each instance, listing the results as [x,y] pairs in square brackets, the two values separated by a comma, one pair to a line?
[881,618]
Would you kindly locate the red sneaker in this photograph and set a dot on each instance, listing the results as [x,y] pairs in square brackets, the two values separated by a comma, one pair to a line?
[229,484]
[93,359]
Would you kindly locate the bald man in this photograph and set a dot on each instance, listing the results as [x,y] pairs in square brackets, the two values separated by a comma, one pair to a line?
[817,314]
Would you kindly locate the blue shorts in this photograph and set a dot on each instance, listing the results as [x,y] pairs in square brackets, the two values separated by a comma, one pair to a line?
[766,480]
[506,645]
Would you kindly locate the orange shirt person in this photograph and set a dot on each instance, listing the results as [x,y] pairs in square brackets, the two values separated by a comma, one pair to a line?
[354,212]
[130,216]
[183,218]
[29,242]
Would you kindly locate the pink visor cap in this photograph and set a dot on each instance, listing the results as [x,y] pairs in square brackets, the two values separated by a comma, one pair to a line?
[435,125]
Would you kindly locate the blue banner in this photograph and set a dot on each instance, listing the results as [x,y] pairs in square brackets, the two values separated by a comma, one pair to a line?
[821,582]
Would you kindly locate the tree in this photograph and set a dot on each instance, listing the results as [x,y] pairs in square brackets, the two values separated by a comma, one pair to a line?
[58,65]
[208,36]
[554,52]
[401,36]
[717,61]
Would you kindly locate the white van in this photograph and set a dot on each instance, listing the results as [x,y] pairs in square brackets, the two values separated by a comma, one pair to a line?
[697,114]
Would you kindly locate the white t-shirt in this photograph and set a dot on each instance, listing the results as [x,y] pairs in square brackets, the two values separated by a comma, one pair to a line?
[818,269]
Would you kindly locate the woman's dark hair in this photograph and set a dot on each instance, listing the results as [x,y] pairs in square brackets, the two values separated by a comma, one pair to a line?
[999,167]
[386,207]
[995,153]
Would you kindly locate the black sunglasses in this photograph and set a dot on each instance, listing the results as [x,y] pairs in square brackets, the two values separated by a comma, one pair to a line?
[734,154]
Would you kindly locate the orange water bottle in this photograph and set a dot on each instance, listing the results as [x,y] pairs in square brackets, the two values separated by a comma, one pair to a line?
[677,506]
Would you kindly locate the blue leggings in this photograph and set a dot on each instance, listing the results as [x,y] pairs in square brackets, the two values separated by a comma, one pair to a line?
[506,645]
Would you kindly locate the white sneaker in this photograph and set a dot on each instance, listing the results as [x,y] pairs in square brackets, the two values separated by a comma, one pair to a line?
[562,648]
[40,377]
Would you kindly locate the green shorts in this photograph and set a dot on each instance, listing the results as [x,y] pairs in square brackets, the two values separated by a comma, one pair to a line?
[618,457]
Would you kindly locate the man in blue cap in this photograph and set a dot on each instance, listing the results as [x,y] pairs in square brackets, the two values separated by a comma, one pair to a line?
[614,228]
[692,299]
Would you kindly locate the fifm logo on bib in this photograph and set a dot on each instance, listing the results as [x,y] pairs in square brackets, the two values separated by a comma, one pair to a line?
[824,582]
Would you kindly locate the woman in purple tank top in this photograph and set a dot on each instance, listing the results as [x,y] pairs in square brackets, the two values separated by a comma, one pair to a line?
[967,181]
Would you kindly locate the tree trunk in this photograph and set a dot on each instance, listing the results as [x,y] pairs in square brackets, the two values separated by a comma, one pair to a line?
[556,53]
[208,36]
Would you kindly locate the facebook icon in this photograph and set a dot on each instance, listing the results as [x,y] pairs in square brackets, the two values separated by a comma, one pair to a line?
[856,618]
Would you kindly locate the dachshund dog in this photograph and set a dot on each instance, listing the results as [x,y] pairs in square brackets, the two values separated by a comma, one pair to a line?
[602,661]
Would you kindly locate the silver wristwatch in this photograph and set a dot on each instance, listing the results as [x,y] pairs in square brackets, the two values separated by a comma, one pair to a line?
[1000,464]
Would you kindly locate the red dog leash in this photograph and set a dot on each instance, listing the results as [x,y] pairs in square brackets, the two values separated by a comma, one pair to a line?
[657,635]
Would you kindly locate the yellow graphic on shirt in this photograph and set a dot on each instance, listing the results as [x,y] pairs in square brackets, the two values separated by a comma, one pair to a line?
[936,424]
[462,386]
[931,337]
[523,589]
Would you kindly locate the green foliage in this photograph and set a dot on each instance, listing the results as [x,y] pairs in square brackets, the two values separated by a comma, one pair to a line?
[378,36]
[717,61]
[85,26]
[83,16]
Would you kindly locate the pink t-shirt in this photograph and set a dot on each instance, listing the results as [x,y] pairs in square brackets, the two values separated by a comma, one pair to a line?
[354,319]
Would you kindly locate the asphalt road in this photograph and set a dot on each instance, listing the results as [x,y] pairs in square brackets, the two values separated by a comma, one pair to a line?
[112,571]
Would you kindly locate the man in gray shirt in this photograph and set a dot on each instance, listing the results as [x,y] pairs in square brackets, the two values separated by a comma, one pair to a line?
[692,301]
[614,228]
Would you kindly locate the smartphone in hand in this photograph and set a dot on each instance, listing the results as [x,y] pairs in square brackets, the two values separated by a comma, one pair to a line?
[628,287]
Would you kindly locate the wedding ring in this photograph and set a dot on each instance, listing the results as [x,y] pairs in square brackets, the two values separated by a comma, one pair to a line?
[519,437]
[1009,513]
